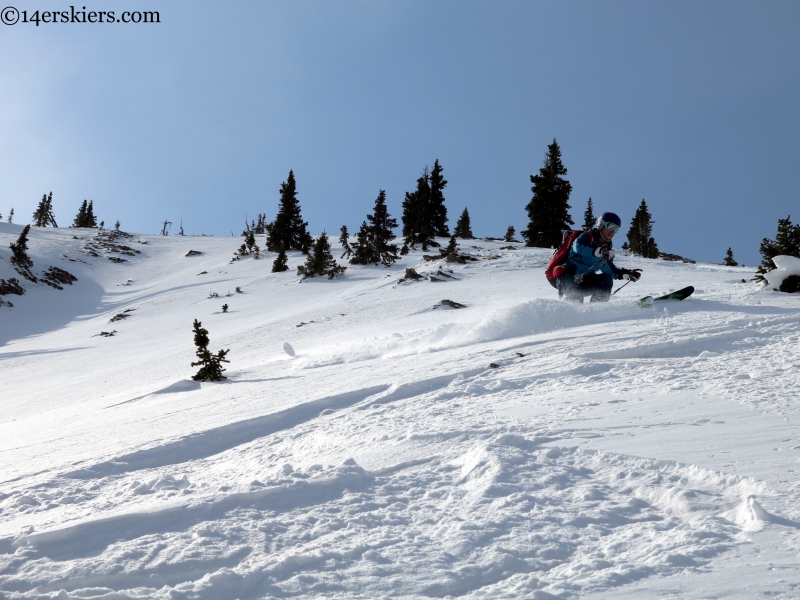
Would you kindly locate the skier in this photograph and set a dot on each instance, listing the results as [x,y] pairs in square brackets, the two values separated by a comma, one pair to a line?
[590,268]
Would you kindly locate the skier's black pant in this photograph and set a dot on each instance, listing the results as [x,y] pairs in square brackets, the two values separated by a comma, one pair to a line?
[598,285]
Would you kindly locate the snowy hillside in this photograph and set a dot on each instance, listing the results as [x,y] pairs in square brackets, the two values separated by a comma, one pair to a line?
[612,451]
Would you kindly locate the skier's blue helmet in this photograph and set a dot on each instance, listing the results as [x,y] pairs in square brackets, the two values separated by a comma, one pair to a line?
[610,221]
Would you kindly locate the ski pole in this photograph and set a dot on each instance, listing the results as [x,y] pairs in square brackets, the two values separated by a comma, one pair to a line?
[622,286]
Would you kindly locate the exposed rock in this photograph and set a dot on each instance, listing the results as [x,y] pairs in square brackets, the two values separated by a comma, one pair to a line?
[193,253]
[56,276]
[11,286]
[674,258]
[791,284]
[449,303]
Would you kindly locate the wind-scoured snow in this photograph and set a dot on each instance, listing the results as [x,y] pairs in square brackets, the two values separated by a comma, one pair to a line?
[368,444]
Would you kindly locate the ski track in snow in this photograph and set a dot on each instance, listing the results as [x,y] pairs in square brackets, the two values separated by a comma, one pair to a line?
[614,451]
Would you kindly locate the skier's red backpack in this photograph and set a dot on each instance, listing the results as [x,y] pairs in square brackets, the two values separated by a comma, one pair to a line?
[556,267]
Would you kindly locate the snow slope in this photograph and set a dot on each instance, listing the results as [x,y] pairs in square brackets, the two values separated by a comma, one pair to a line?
[614,451]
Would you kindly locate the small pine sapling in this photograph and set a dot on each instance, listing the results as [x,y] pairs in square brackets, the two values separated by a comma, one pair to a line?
[510,234]
[463,228]
[451,252]
[11,216]
[211,368]
[344,240]
[19,255]
[729,261]
[279,264]
[239,290]
[117,225]
[225,308]
[320,261]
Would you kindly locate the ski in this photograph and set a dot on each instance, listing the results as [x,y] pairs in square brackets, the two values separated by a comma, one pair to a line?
[681,294]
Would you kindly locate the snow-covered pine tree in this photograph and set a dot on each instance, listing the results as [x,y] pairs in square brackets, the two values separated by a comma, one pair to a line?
[320,261]
[438,209]
[417,214]
[588,216]
[288,229]
[548,210]
[344,240]
[729,261]
[510,234]
[640,238]
[279,264]
[211,368]
[786,243]
[463,228]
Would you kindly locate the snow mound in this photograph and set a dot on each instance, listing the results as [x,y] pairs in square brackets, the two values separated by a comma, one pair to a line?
[786,267]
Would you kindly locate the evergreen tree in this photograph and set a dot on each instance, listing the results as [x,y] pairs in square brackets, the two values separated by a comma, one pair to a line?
[91,220]
[260,227]
[729,262]
[382,227]
[588,216]
[288,229]
[211,368]
[80,218]
[44,212]
[344,240]
[417,214]
[451,252]
[11,215]
[279,264]
[463,228]
[362,247]
[117,225]
[640,239]
[19,250]
[548,210]
[374,245]
[438,209]
[510,234]
[320,261]
[786,243]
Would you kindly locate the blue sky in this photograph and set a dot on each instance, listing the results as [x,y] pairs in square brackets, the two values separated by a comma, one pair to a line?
[690,105]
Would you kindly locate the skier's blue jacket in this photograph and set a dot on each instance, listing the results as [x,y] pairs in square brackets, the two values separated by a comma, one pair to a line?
[582,260]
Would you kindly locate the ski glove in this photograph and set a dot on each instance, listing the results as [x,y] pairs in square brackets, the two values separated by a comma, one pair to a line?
[606,253]
[632,275]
